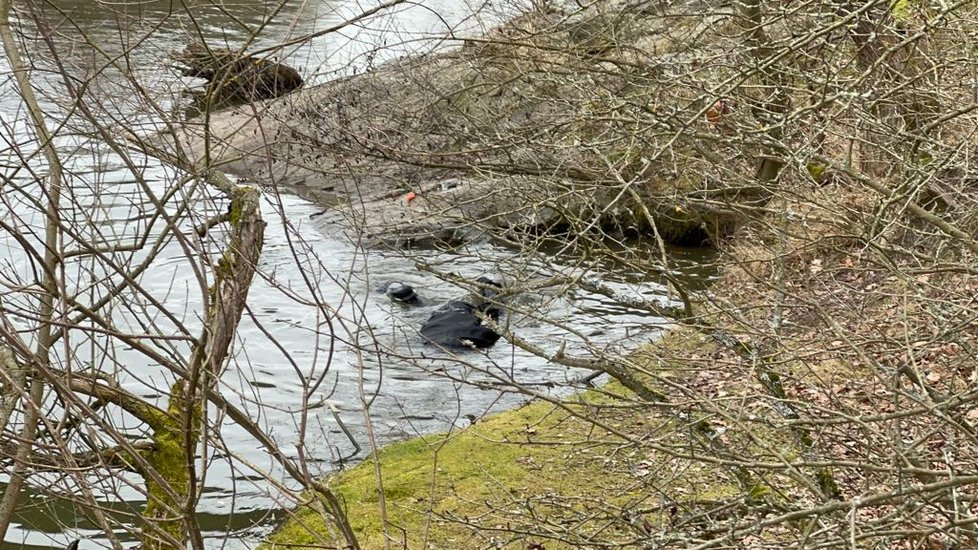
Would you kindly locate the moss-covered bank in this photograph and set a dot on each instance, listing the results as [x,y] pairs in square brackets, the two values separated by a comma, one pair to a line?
[555,474]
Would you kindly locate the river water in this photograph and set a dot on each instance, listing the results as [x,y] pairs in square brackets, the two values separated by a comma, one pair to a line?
[320,332]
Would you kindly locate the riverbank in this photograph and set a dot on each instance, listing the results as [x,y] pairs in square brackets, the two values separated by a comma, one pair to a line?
[495,135]
[738,433]
[551,473]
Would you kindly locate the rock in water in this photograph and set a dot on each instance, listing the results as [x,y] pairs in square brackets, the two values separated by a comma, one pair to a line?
[405,294]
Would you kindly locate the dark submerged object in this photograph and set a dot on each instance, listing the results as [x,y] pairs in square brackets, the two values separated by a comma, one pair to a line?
[236,78]
[405,294]
[457,324]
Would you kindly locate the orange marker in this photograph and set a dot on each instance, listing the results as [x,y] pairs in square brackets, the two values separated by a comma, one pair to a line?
[410,196]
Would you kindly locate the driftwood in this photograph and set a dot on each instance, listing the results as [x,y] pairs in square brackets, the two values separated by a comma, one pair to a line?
[235,78]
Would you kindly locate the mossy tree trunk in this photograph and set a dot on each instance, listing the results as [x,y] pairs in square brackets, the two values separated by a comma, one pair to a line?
[169,513]
[168,483]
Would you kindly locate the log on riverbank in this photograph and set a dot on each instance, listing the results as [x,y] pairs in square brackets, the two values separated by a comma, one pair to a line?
[233,77]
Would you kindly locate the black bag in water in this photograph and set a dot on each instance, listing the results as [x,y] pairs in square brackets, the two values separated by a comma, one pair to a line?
[455,325]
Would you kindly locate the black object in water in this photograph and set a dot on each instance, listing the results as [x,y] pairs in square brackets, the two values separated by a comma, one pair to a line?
[405,294]
[457,324]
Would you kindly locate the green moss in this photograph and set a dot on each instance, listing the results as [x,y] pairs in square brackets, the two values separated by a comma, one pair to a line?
[493,460]
[167,490]
[924,158]
[817,171]
[900,9]
[474,473]
[534,464]
[243,197]
[759,492]
[237,205]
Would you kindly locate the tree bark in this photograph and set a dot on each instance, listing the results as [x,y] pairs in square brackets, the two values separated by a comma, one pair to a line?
[170,508]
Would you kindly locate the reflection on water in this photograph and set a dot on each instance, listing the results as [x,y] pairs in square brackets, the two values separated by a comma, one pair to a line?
[289,354]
